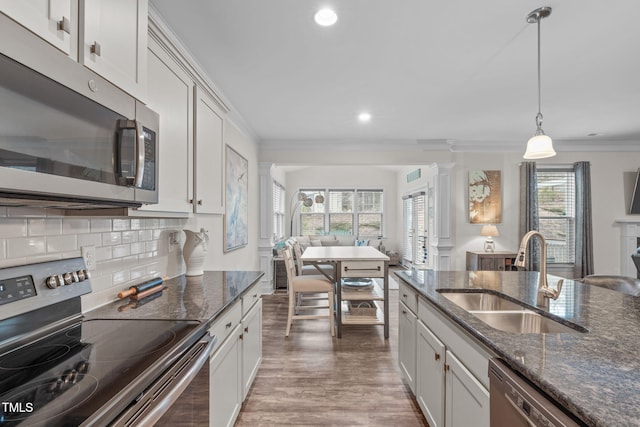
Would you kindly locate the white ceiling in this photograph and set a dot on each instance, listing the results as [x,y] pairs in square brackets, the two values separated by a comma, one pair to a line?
[462,71]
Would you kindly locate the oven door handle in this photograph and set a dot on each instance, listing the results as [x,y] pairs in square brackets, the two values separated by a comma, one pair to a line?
[162,405]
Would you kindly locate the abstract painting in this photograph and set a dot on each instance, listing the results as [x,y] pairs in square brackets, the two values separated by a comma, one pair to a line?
[236,233]
[485,197]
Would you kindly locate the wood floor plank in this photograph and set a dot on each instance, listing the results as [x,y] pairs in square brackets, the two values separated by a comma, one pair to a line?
[312,379]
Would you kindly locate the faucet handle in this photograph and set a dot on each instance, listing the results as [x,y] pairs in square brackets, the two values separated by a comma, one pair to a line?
[552,293]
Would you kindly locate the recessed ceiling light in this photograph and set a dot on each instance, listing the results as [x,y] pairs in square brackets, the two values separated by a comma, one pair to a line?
[325,17]
[364,117]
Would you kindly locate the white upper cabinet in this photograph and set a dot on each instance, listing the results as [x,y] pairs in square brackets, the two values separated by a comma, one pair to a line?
[208,155]
[171,96]
[113,42]
[56,21]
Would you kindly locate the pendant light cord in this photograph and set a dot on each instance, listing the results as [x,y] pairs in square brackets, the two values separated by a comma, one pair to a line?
[539,115]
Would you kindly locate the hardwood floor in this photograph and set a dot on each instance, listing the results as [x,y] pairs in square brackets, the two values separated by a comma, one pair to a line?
[311,378]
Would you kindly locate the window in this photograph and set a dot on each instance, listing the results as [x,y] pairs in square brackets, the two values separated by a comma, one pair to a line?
[369,207]
[345,212]
[341,212]
[415,233]
[556,212]
[312,217]
[278,210]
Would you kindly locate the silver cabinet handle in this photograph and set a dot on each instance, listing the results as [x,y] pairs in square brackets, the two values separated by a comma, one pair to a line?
[95,48]
[64,25]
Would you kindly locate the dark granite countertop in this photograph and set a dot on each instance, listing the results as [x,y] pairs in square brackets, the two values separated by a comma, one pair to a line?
[201,298]
[595,375]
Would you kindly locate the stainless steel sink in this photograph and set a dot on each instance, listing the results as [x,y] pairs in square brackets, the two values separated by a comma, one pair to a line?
[506,315]
[524,322]
[481,301]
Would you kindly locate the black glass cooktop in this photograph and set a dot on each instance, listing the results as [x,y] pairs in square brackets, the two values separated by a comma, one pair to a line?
[65,378]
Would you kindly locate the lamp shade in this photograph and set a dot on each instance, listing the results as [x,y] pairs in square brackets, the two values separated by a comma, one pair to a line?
[489,230]
[539,147]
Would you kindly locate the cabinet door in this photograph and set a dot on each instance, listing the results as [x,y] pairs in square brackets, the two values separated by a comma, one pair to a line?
[491,264]
[225,384]
[251,346]
[430,375]
[53,20]
[113,42]
[407,345]
[171,96]
[467,401]
[208,156]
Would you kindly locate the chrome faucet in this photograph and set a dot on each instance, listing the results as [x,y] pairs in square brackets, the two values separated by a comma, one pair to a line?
[544,291]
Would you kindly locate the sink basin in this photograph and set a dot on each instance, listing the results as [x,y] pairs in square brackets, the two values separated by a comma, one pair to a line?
[506,315]
[481,301]
[525,322]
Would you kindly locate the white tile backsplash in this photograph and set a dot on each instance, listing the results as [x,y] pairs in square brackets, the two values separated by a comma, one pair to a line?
[26,246]
[45,226]
[13,227]
[128,250]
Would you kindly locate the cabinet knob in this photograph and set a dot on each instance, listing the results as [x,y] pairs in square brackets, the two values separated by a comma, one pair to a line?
[404,311]
[64,25]
[228,325]
[404,295]
[241,336]
[95,48]
[200,202]
[246,329]
[437,356]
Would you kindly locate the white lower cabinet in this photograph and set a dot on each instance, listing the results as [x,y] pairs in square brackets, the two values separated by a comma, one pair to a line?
[225,384]
[430,378]
[467,401]
[407,345]
[451,368]
[251,346]
[236,358]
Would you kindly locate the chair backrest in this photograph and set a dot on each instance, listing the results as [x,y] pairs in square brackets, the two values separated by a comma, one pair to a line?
[297,252]
[289,265]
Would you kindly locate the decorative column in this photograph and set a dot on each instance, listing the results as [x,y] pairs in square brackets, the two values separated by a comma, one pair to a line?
[265,253]
[439,215]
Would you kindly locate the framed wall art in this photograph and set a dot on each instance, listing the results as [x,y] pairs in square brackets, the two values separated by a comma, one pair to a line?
[236,208]
[485,197]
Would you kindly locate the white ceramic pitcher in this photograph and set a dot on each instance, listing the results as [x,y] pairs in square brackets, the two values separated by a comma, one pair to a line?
[194,250]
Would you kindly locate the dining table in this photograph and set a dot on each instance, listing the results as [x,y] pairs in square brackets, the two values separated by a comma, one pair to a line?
[355,271]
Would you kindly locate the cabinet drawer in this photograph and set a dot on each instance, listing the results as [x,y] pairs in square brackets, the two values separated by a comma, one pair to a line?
[362,269]
[408,296]
[250,298]
[223,326]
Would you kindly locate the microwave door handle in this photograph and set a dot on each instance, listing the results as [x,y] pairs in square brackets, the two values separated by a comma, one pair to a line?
[139,155]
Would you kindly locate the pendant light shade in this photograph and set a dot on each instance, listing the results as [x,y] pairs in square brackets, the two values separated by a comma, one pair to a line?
[540,146]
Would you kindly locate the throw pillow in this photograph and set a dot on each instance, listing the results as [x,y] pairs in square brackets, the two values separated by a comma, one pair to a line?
[316,242]
[362,242]
[329,243]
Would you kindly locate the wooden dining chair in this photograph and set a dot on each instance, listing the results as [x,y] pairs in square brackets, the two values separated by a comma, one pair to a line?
[306,284]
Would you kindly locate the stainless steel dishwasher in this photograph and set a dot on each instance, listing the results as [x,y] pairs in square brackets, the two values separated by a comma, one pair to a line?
[515,402]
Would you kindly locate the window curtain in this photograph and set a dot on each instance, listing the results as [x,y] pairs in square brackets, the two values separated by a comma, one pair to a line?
[529,212]
[584,233]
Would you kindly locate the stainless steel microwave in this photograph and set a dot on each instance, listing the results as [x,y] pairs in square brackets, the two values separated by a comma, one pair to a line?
[60,146]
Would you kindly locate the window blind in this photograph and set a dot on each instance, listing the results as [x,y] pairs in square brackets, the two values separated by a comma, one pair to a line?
[556,211]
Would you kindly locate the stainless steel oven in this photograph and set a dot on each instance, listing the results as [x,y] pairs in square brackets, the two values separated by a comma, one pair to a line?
[69,138]
[516,402]
[59,369]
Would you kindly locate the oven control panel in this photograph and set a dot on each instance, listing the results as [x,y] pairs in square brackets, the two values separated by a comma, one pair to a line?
[16,288]
[28,287]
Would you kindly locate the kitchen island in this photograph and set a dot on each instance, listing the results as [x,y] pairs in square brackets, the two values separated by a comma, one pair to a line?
[595,375]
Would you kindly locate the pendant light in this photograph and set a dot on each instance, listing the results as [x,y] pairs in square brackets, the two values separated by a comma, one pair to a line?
[540,146]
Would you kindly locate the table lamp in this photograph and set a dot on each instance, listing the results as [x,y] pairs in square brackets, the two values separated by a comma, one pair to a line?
[489,230]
